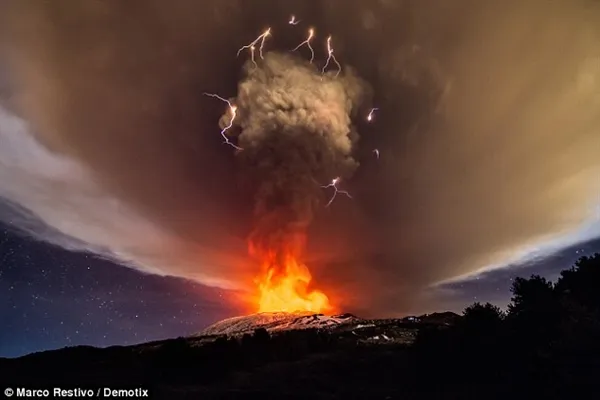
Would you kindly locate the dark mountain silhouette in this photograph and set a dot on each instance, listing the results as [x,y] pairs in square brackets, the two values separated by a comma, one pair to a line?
[447,317]
[545,346]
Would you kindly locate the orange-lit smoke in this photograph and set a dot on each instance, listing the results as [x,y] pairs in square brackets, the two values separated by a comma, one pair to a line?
[295,126]
[284,284]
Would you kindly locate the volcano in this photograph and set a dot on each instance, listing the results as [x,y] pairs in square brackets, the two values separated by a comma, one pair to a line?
[231,359]
[280,321]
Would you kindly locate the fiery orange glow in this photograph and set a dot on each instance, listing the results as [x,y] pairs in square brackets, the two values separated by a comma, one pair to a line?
[284,286]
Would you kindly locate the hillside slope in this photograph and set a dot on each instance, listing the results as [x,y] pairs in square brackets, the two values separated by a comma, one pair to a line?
[278,321]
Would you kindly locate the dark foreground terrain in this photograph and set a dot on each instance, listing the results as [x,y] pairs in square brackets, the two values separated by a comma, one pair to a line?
[546,346]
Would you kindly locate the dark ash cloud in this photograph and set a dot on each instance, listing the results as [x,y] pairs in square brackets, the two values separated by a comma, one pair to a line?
[296,133]
[487,127]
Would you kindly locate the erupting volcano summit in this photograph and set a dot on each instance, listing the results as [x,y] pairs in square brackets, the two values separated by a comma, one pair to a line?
[284,286]
[294,134]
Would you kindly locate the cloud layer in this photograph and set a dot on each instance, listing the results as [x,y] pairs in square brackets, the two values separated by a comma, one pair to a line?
[488,130]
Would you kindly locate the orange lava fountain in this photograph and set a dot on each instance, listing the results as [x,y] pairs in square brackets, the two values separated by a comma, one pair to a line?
[283,286]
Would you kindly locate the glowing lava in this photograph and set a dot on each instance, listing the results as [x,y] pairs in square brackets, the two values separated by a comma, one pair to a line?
[284,287]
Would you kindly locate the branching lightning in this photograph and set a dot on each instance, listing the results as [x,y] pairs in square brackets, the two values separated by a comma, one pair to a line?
[371,114]
[233,111]
[252,45]
[293,21]
[311,34]
[333,185]
[330,57]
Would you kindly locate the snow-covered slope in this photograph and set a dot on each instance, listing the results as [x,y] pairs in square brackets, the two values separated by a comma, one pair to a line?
[277,321]
[385,331]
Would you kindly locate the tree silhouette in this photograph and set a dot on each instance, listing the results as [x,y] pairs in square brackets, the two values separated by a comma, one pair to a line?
[261,335]
[534,315]
[531,296]
[486,316]
[580,283]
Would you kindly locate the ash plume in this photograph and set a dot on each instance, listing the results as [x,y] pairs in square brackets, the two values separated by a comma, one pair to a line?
[295,131]
[487,127]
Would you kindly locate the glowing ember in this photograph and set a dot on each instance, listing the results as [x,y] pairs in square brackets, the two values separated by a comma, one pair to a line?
[284,287]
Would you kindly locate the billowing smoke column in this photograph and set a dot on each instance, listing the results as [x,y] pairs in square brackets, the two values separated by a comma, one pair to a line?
[295,129]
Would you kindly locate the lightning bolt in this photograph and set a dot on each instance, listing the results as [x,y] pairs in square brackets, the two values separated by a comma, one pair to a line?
[293,21]
[252,50]
[311,34]
[252,44]
[370,116]
[333,184]
[233,111]
[330,57]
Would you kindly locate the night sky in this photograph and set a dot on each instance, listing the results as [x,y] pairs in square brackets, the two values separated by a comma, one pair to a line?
[51,298]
